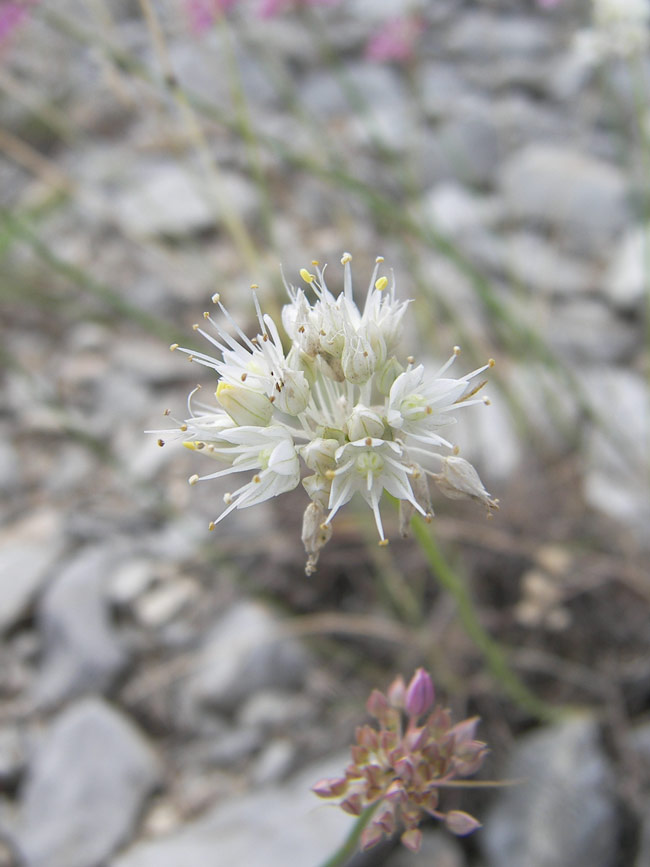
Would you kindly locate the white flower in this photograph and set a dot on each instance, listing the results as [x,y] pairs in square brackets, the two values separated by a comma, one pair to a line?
[619,28]
[339,402]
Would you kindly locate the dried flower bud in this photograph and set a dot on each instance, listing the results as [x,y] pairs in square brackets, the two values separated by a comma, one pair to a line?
[420,694]
[315,534]
[397,693]
[460,823]
[459,480]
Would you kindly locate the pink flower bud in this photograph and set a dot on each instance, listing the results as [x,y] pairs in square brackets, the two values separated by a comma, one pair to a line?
[397,693]
[330,788]
[370,836]
[460,823]
[412,839]
[352,805]
[420,694]
[377,705]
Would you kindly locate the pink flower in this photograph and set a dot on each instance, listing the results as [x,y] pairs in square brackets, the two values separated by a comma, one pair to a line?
[395,39]
[203,13]
[12,14]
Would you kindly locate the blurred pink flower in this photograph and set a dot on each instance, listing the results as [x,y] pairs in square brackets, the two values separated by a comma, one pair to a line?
[270,8]
[202,13]
[549,4]
[395,39]
[12,14]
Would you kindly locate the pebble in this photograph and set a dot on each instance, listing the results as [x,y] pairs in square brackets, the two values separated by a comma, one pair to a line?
[81,649]
[29,550]
[579,197]
[564,809]
[257,830]
[626,279]
[86,786]
[243,653]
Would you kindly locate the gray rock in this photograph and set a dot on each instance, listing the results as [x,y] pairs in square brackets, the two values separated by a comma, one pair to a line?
[82,652]
[12,754]
[455,211]
[615,455]
[441,89]
[588,331]
[581,198]
[274,710]
[639,743]
[245,652]
[627,277]
[86,787]
[563,812]
[535,264]
[467,148]
[165,198]
[274,762]
[484,36]
[268,828]
[29,550]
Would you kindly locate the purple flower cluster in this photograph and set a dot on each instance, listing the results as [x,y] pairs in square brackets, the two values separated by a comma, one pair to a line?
[12,15]
[401,769]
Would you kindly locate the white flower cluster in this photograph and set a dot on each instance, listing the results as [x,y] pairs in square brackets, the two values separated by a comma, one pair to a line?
[338,402]
[619,28]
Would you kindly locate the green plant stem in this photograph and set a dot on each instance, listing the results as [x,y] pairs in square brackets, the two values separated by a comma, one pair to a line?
[349,845]
[492,652]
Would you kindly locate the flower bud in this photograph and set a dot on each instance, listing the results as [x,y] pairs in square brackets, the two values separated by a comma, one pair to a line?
[319,454]
[318,489]
[397,693]
[363,423]
[412,839]
[387,375]
[358,360]
[461,823]
[330,788]
[370,836]
[377,705]
[458,480]
[244,405]
[419,694]
[292,393]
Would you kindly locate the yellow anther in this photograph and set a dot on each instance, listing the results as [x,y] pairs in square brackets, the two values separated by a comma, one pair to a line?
[368,441]
[428,410]
[227,498]
[173,346]
[211,525]
[487,401]
[330,474]
[257,479]
[383,543]
[324,526]
[345,258]
[306,276]
[455,450]
[254,286]
[166,411]
[381,284]
[161,443]
[491,362]
[456,350]
[410,359]
[206,315]
[315,263]
[379,260]
[244,377]
[195,327]
[193,479]
[216,298]
[183,427]
[193,445]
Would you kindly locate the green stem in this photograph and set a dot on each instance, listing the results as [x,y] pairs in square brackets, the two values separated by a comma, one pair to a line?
[349,845]
[491,650]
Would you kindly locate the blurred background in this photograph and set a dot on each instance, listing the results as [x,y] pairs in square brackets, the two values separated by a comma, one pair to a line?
[169,695]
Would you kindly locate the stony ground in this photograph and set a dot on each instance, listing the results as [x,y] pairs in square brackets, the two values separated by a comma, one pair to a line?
[167,695]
